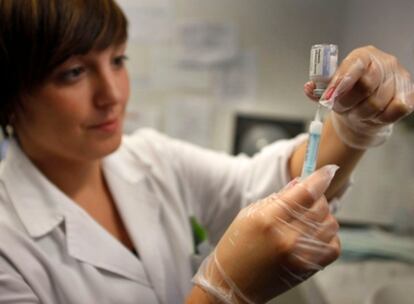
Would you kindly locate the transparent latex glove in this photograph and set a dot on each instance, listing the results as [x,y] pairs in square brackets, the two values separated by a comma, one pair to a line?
[369,91]
[273,244]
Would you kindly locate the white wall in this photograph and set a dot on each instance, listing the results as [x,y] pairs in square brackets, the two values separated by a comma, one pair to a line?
[386,24]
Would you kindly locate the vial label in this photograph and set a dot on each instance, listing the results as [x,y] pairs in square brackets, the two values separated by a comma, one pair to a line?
[323,60]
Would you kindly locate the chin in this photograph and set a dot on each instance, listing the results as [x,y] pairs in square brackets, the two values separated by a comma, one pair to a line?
[104,147]
[113,144]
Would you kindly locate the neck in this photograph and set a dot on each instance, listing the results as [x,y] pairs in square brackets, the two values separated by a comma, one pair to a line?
[73,177]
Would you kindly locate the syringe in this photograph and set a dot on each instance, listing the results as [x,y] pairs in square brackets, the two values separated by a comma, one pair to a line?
[311,156]
[323,63]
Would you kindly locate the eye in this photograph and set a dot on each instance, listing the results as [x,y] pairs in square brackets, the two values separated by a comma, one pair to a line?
[119,61]
[72,74]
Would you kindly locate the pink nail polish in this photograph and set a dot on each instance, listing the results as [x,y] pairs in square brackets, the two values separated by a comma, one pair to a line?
[292,183]
[328,93]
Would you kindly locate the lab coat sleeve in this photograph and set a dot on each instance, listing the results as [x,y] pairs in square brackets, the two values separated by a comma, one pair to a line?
[14,290]
[215,186]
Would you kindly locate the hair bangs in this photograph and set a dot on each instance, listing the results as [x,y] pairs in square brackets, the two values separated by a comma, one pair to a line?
[88,25]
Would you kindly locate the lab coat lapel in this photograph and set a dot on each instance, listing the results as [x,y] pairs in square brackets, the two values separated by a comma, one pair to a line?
[89,242]
[140,210]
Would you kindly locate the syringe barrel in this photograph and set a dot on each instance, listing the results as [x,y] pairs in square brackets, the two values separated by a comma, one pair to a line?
[311,156]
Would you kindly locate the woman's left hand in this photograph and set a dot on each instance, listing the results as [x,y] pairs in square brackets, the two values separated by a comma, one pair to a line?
[369,91]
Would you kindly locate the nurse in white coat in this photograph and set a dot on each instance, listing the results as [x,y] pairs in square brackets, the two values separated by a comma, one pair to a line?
[90,216]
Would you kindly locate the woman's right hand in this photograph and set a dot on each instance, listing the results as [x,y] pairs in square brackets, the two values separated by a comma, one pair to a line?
[274,244]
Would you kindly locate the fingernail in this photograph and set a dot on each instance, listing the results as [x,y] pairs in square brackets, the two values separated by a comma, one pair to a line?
[344,85]
[328,93]
[309,84]
[292,183]
[330,171]
[326,98]
[319,181]
[333,93]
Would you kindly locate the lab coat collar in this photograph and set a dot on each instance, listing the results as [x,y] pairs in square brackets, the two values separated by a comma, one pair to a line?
[41,207]
[33,196]
[88,242]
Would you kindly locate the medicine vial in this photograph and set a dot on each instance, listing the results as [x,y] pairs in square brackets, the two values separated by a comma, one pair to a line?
[323,64]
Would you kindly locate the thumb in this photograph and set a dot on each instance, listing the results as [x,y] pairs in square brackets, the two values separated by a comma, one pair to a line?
[318,182]
[309,190]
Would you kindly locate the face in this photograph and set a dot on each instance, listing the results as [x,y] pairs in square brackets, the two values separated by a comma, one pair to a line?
[77,114]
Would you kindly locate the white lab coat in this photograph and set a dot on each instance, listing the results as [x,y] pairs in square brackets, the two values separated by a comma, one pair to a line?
[52,251]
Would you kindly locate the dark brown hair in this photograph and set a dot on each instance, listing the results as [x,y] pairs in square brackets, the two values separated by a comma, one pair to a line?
[36,36]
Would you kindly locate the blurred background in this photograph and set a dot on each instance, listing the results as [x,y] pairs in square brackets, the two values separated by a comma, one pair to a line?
[229,75]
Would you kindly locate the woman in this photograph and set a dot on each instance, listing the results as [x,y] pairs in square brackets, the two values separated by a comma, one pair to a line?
[89,216]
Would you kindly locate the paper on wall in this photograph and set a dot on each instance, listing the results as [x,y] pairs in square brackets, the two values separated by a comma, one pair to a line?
[206,43]
[167,73]
[189,119]
[236,80]
[150,21]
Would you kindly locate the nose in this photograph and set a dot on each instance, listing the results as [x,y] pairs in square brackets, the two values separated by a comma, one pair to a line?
[112,88]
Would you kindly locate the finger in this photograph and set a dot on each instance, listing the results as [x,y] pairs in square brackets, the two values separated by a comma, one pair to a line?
[315,252]
[311,229]
[297,220]
[310,189]
[332,252]
[349,72]
[375,104]
[395,110]
[324,233]
[310,221]
[318,182]
[308,89]
[318,212]
[328,229]
[299,262]
[403,102]
[366,85]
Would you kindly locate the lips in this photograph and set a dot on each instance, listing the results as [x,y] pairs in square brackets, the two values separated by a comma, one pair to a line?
[106,126]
